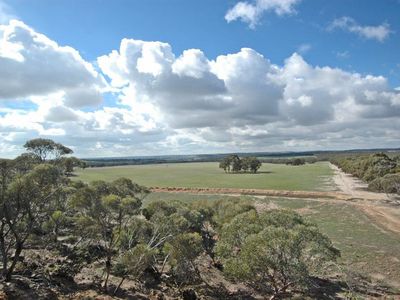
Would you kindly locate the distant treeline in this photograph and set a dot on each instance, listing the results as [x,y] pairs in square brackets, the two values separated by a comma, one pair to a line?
[380,170]
[123,161]
[297,161]
[265,157]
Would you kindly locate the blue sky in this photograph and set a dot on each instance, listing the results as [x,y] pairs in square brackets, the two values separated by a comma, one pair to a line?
[246,57]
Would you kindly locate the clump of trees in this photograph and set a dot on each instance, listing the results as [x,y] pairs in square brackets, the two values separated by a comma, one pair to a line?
[380,171]
[233,163]
[296,161]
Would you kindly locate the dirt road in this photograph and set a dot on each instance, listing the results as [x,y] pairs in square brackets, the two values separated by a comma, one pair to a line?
[254,192]
[354,187]
[381,208]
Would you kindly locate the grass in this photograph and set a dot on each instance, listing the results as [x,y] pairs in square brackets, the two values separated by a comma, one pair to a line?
[365,248]
[271,176]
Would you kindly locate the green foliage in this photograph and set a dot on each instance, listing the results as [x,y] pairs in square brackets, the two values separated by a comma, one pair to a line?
[45,149]
[276,250]
[236,164]
[182,250]
[296,162]
[225,210]
[27,203]
[138,231]
[134,262]
[69,163]
[390,183]
[104,211]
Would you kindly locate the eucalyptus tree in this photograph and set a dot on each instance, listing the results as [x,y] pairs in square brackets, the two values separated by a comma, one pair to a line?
[104,212]
[277,250]
[26,201]
[46,149]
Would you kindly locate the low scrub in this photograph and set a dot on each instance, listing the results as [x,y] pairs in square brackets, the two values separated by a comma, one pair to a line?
[390,183]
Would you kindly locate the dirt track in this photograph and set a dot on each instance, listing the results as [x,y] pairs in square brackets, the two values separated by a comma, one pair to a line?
[355,187]
[255,192]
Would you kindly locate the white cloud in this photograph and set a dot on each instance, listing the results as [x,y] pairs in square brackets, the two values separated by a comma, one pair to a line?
[243,101]
[31,64]
[160,102]
[251,13]
[379,32]
[191,63]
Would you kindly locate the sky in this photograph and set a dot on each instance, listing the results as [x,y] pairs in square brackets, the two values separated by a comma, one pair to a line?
[153,77]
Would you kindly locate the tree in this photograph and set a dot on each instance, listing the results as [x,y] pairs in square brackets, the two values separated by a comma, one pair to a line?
[69,163]
[105,210]
[182,250]
[236,163]
[46,149]
[246,161]
[298,162]
[254,164]
[133,263]
[25,163]
[225,164]
[26,202]
[277,250]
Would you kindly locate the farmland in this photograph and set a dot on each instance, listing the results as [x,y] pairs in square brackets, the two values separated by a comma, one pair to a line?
[271,176]
[359,237]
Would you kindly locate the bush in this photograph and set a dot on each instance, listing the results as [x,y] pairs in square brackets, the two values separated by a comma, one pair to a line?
[275,251]
[390,183]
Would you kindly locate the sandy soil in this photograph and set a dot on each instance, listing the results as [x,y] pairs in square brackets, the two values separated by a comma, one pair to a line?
[379,207]
[353,186]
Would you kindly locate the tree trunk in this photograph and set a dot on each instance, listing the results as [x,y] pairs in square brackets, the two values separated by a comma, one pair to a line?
[119,285]
[3,251]
[108,270]
[10,271]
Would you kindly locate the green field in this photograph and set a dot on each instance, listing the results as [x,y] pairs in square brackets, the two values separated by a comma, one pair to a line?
[366,248]
[271,176]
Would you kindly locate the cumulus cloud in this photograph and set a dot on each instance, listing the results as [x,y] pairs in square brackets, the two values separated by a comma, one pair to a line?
[242,100]
[378,32]
[251,13]
[164,102]
[32,64]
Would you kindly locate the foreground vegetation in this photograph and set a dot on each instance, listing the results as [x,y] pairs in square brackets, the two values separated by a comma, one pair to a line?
[270,176]
[370,254]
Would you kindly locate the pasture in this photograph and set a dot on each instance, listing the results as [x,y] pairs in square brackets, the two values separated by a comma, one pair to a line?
[271,176]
